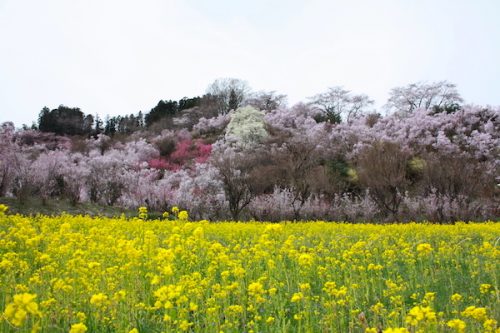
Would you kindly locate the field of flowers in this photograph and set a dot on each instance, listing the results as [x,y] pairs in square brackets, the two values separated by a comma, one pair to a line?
[81,274]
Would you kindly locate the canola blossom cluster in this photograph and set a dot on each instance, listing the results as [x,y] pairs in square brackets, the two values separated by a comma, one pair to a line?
[80,274]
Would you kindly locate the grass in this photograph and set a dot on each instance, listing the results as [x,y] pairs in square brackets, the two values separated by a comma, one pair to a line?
[34,206]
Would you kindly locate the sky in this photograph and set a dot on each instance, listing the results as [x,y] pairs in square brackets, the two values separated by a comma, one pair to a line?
[117,57]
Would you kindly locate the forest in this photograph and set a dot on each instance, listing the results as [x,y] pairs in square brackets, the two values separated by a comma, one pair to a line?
[234,153]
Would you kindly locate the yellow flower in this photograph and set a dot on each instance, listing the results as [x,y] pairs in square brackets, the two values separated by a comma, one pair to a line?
[199,233]
[305,259]
[270,320]
[456,324]
[78,328]
[305,287]
[429,297]
[81,316]
[184,325]
[155,280]
[134,330]
[120,295]
[396,330]
[193,307]
[378,308]
[99,299]
[235,309]
[3,208]
[175,210]
[477,313]
[22,305]
[371,330]
[143,213]
[420,313]
[297,297]
[183,215]
[374,267]
[484,288]
[455,298]
[490,325]
[255,288]
[352,175]
[424,248]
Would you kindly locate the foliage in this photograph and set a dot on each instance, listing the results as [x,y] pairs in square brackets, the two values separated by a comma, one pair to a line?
[64,120]
[169,108]
[122,124]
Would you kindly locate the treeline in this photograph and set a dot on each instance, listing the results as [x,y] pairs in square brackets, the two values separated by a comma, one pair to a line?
[72,121]
[238,154]
[222,96]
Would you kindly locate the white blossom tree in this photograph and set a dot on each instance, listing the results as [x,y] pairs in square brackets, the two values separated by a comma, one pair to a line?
[246,126]
[338,103]
[421,95]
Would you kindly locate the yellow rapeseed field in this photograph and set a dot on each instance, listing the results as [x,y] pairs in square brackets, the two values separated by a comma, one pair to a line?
[81,274]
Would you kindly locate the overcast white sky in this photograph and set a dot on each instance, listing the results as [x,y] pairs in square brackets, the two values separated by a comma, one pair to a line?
[121,56]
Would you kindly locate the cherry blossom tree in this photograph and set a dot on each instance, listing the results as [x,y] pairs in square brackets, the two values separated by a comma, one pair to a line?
[421,95]
[47,173]
[266,100]
[234,167]
[338,103]
[201,192]
[8,152]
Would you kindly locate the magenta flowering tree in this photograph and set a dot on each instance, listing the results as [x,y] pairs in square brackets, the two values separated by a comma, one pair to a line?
[162,164]
[186,153]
